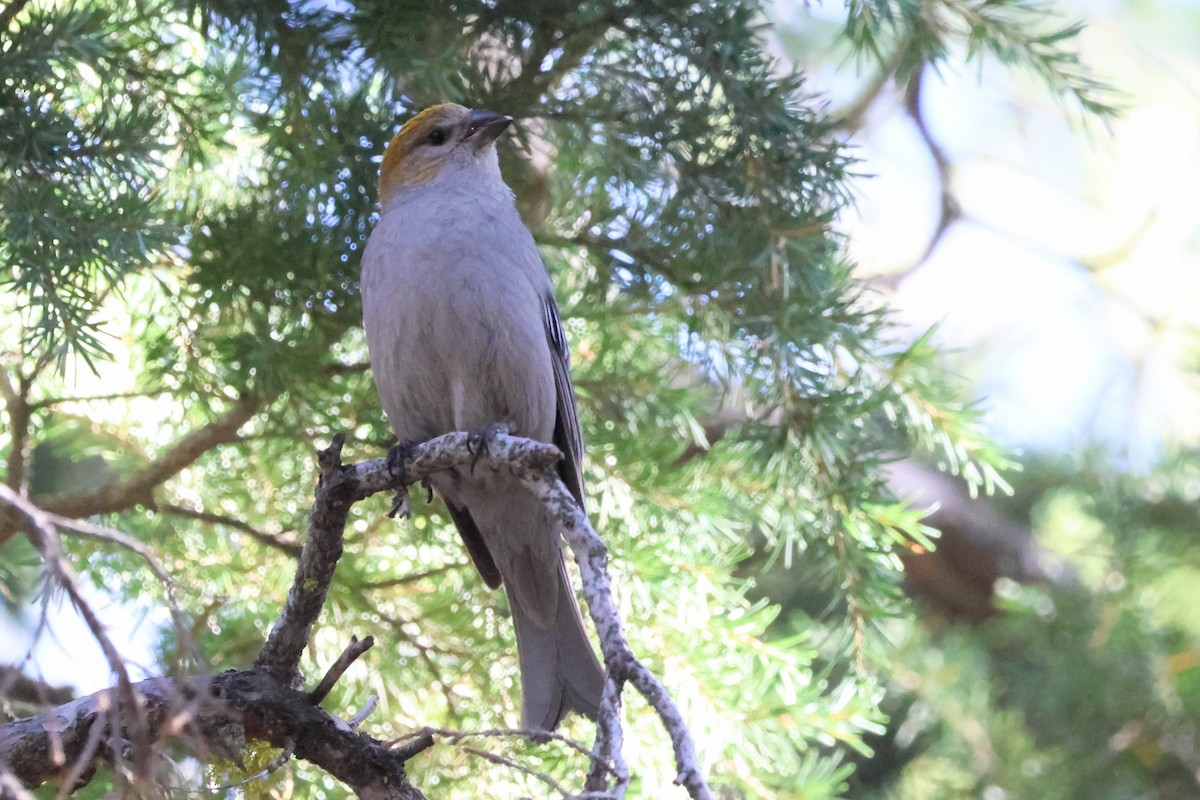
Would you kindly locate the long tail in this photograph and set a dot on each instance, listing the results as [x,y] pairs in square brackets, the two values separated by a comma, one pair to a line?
[559,670]
[514,540]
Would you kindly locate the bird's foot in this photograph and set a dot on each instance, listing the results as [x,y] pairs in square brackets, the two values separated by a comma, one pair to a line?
[480,439]
[400,508]
[396,459]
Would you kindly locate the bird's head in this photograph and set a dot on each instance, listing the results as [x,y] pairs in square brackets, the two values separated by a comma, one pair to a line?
[440,138]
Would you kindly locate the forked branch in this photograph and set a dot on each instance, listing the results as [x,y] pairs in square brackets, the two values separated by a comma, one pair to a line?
[534,463]
[221,712]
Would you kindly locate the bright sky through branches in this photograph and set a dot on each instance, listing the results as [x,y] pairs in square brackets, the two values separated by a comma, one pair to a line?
[1072,281]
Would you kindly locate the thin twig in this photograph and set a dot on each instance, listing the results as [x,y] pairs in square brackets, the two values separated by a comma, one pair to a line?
[45,537]
[88,530]
[508,762]
[112,536]
[607,756]
[338,668]
[950,209]
[11,788]
[363,712]
[9,12]
[413,577]
[424,652]
[48,402]
[850,118]
[534,463]
[419,744]
[262,537]
[454,737]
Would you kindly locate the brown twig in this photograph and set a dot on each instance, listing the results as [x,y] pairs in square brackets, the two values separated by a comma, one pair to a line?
[455,737]
[424,653]
[9,12]
[138,488]
[338,668]
[314,569]
[419,744]
[413,577]
[102,534]
[99,533]
[850,118]
[951,210]
[43,534]
[221,713]
[534,463]
[208,517]
[508,762]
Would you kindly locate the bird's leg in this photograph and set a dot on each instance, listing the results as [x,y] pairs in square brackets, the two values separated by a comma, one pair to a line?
[480,439]
[396,458]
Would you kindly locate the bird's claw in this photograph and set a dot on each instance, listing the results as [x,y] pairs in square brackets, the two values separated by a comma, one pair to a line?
[480,439]
[400,509]
[397,459]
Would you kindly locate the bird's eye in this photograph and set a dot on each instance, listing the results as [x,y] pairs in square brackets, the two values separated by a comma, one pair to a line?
[437,137]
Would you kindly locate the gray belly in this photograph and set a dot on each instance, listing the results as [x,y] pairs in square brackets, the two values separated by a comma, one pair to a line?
[468,361]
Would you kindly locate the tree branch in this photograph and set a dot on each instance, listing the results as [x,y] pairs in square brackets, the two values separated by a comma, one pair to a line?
[45,538]
[353,650]
[214,715]
[208,517]
[264,703]
[138,488]
[314,569]
[533,463]
[950,209]
[622,664]
[211,715]
[9,12]
[20,412]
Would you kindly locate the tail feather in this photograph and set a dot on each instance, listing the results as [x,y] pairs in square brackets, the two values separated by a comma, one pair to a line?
[559,670]
[512,536]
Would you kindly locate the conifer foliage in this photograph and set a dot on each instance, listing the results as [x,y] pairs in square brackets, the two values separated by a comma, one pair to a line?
[186,190]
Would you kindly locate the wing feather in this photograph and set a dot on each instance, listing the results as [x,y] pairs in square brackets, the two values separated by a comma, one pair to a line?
[567,436]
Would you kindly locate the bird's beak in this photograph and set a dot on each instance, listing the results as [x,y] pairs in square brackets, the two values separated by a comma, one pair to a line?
[483,127]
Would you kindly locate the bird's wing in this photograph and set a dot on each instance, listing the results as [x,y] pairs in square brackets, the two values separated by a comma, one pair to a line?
[567,436]
[476,547]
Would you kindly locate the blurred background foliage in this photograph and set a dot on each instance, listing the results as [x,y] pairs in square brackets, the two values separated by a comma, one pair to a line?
[186,188]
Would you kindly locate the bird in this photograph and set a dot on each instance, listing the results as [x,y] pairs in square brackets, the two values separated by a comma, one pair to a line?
[464,334]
